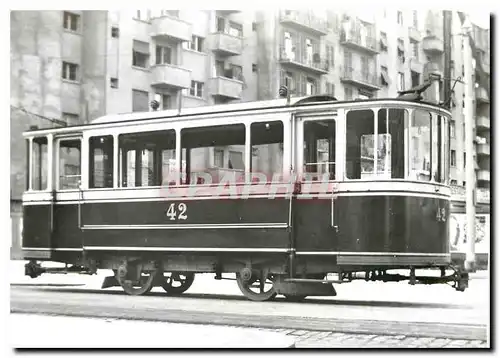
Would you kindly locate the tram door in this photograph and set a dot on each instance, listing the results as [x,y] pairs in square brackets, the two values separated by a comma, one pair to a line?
[316,149]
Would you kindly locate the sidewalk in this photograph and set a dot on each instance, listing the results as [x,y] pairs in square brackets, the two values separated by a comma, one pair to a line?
[110,333]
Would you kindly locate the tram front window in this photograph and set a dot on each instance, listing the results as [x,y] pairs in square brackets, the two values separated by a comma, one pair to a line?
[376,145]
[420,146]
[39,164]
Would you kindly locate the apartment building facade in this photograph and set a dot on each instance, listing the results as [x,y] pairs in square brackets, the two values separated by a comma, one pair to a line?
[75,66]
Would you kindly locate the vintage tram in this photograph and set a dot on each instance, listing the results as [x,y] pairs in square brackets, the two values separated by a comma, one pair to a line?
[289,197]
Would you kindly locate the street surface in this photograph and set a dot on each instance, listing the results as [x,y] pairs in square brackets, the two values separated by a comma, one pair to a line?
[364,314]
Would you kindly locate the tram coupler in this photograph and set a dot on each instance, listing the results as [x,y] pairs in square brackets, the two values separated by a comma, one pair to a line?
[286,286]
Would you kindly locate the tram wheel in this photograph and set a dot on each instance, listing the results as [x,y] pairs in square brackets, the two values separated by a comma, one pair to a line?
[135,286]
[177,282]
[256,283]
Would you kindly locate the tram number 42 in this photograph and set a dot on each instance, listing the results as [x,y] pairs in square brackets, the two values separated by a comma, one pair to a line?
[177,213]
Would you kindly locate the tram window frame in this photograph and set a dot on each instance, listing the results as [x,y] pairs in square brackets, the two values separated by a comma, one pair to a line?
[60,169]
[424,174]
[39,165]
[311,149]
[353,142]
[156,144]
[270,134]
[201,142]
[106,144]
[388,120]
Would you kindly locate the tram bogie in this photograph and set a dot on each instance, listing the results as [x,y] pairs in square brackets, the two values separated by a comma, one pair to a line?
[279,196]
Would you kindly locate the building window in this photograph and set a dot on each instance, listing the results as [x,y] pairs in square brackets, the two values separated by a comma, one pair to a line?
[400,17]
[254,67]
[163,55]
[415,19]
[140,54]
[401,50]
[453,182]
[452,129]
[70,71]
[254,26]
[383,42]
[330,88]
[218,157]
[71,21]
[415,78]
[311,87]
[414,49]
[143,15]
[140,101]
[164,99]
[453,158]
[196,89]
[347,93]
[221,24]
[113,82]
[115,32]
[464,160]
[401,81]
[384,74]
[71,119]
[196,44]
[235,29]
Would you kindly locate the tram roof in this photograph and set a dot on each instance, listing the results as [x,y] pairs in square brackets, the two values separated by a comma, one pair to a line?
[173,114]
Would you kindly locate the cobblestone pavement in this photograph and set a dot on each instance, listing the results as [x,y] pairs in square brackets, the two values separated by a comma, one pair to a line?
[318,339]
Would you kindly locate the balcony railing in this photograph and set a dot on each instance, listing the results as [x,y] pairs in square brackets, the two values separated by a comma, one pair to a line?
[170,76]
[414,34]
[354,40]
[433,44]
[306,62]
[482,95]
[304,20]
[226,87]
[483,122]
[226,44]
[360,79]
[483,149]
[171,27]
[483,175]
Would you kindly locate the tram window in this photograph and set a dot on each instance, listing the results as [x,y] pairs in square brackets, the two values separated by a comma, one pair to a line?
[210,154]
[101,162]
[360,144]
[420,146]
[446,148]
[147,158]
[39,167]
[69,164]
[319,149]
[267,148]
[391,146]
[437,144]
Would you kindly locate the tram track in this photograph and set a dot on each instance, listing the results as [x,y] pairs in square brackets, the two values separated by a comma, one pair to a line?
[223,310]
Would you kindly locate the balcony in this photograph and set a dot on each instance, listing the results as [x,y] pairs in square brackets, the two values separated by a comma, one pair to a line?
[433,45]
[360,79]
[225,87]
[414,34]
[483,149]
[170,76]
[304,21]
[432,68]
[482,95]
[171,27]
[355,41]
[416,65]
[226,45]
[313,64]
[483,175]
[483,122]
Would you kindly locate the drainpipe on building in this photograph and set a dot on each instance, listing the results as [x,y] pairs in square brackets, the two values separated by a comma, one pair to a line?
[470,173]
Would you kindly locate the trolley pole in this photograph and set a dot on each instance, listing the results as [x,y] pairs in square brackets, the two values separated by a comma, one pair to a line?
[470,173]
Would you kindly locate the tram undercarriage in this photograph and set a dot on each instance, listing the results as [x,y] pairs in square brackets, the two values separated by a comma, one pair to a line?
[258,280]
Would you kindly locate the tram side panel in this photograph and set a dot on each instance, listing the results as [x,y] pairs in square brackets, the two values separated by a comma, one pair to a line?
[375,224]
[36,229]
[258,223]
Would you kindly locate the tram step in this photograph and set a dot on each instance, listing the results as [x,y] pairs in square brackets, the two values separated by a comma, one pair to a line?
[308,288]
